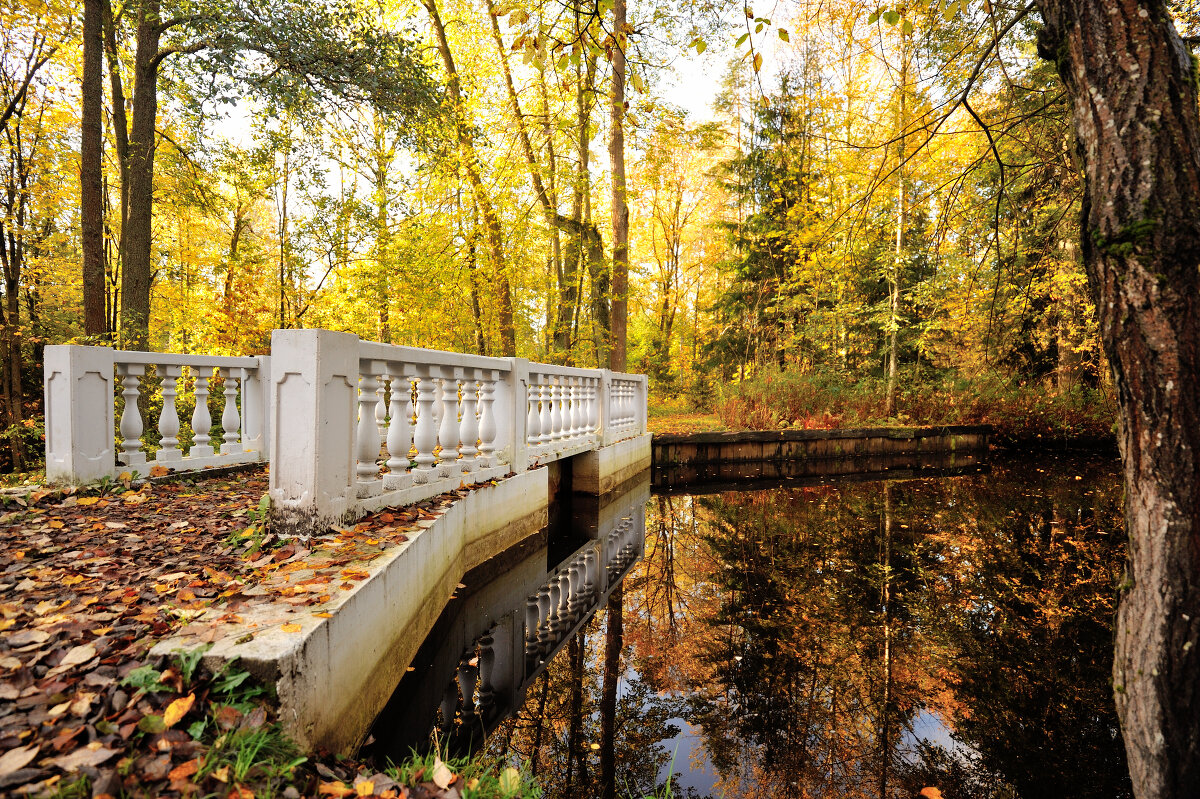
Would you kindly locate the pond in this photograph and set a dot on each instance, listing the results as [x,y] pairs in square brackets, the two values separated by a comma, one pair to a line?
[841,639]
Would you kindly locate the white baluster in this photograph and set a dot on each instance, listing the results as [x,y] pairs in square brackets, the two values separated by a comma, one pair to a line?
[437,402]
[231,420]
[425,436]
[448,434]
[381,408]
[564,410]
[531,625]
[593,405]
[467,675]
[469,430]
[623,404]
[368,433]
[574,584]
[546,617]
[487,421]
[547,415]
[556,599]
[399,434]
[487,667]
[201,419]
[168,420]
[533,419]
[131,415]
[618,404]
[563,620]
[577,419]
[556,416]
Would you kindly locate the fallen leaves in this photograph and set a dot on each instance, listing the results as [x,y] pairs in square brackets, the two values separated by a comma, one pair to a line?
[442,776]
[89,756]
[18,758]
[177,710]
[90,582]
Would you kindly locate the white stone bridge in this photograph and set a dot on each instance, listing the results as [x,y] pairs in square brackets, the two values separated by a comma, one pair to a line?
[347,425]
[350,426]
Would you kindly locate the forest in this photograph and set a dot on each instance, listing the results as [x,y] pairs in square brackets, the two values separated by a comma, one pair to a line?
[808,214]
[876,217]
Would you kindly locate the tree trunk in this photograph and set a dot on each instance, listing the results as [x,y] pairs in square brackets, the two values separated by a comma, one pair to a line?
[120,123]
[470,159]
[1133,93]
[383,232]
[575,750]
[901,224]
[136,268]
[473,273]
[620,206]
[613,641]
[91,198]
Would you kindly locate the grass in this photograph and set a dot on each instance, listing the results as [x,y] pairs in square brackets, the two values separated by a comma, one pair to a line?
[674,415]
[481,779]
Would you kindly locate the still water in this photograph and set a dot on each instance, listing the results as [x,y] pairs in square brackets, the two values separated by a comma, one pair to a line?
[839,639]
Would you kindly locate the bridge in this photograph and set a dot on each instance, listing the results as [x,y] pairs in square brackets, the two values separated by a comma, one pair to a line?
[348,427]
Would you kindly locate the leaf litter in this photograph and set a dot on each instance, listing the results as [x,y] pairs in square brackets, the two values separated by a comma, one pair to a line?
[89,583]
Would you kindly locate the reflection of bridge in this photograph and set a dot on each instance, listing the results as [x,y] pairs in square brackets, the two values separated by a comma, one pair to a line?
[490,644]
[350,426]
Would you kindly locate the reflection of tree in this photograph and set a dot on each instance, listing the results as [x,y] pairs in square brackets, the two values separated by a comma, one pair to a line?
[1030,626]
[795,642]
[821,621]
[561,737]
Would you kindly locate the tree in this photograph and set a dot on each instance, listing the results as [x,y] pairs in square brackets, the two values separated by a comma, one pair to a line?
[620,205]
[91,151]
[1132,84]
[323,47]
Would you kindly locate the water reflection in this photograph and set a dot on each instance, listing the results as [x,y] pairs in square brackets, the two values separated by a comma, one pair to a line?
[509,618]
[863,639]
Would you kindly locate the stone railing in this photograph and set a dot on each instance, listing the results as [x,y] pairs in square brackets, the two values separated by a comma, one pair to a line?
[401,424]
[347,425]
[83,442]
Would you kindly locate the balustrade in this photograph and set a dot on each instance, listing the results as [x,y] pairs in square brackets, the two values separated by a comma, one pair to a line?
[364,424]
[81,409]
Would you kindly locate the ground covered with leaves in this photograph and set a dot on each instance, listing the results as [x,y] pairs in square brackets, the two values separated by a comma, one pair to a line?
[91,579]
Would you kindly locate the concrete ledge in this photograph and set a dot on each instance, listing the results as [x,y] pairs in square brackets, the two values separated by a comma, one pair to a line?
[335,675]
[710,478]
[783,445]
[601,470]
[770,436]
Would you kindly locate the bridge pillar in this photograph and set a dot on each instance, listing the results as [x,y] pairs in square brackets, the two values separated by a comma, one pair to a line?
[79,413]
[314,388]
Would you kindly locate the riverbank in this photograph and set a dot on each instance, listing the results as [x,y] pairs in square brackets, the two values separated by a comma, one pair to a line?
[1022,415]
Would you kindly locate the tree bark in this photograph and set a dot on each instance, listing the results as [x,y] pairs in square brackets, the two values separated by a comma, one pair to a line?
[1133,95]
[620,206]
[120,122]
[136,267]
[91,198]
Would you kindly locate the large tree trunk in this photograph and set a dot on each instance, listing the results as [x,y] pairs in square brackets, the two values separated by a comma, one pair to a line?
[91,198]
[136,269]
[620,207]
[1134,110]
